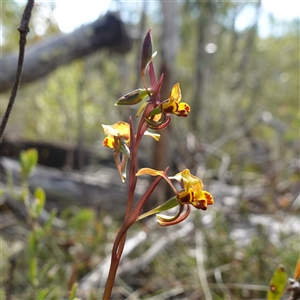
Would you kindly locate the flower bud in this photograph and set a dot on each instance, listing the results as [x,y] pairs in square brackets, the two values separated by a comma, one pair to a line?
[146,52]
[133,97]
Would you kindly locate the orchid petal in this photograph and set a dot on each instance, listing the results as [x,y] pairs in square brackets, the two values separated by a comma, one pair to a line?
[173,105]
[156,136]
[109,130]
[181,218]
[149,171]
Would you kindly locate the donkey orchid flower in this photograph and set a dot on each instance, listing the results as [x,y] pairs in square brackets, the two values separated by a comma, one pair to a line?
[160,116]
[173,105]
[192,193]
[118,139]
[118,136]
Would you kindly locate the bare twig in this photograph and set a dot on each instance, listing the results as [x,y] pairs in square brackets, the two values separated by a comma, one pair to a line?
[222,286]
[236,133]
[224,157]
[174,293]
[241,286]
[200,265]
[223,268]
[23,29]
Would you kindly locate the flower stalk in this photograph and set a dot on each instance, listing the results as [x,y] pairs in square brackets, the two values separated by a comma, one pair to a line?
[124,141]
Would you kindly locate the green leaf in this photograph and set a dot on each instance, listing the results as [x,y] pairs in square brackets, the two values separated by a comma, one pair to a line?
[33,270]
[28,160]
[173,202]
[277,284]
[42,294]
[32,158]
[24,163]
[40,199]
[73,291]
[32,246]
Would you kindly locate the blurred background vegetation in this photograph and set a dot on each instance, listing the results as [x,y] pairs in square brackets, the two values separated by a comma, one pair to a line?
[238,68]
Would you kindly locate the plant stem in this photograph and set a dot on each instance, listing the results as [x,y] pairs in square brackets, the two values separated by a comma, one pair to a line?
[116,255]
[121,237]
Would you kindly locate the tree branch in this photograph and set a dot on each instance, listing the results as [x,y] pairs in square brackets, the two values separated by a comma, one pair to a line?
[23,29]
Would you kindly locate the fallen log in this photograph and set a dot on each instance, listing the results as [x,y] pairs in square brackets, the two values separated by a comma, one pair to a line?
[103,191]
[44,57]
[60,156]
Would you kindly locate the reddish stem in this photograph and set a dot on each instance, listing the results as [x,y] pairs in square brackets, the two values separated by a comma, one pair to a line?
[119,243]
[132,214]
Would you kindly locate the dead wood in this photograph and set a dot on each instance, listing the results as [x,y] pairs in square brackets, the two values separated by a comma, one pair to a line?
[103,191]
[60,156]
[45,56]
